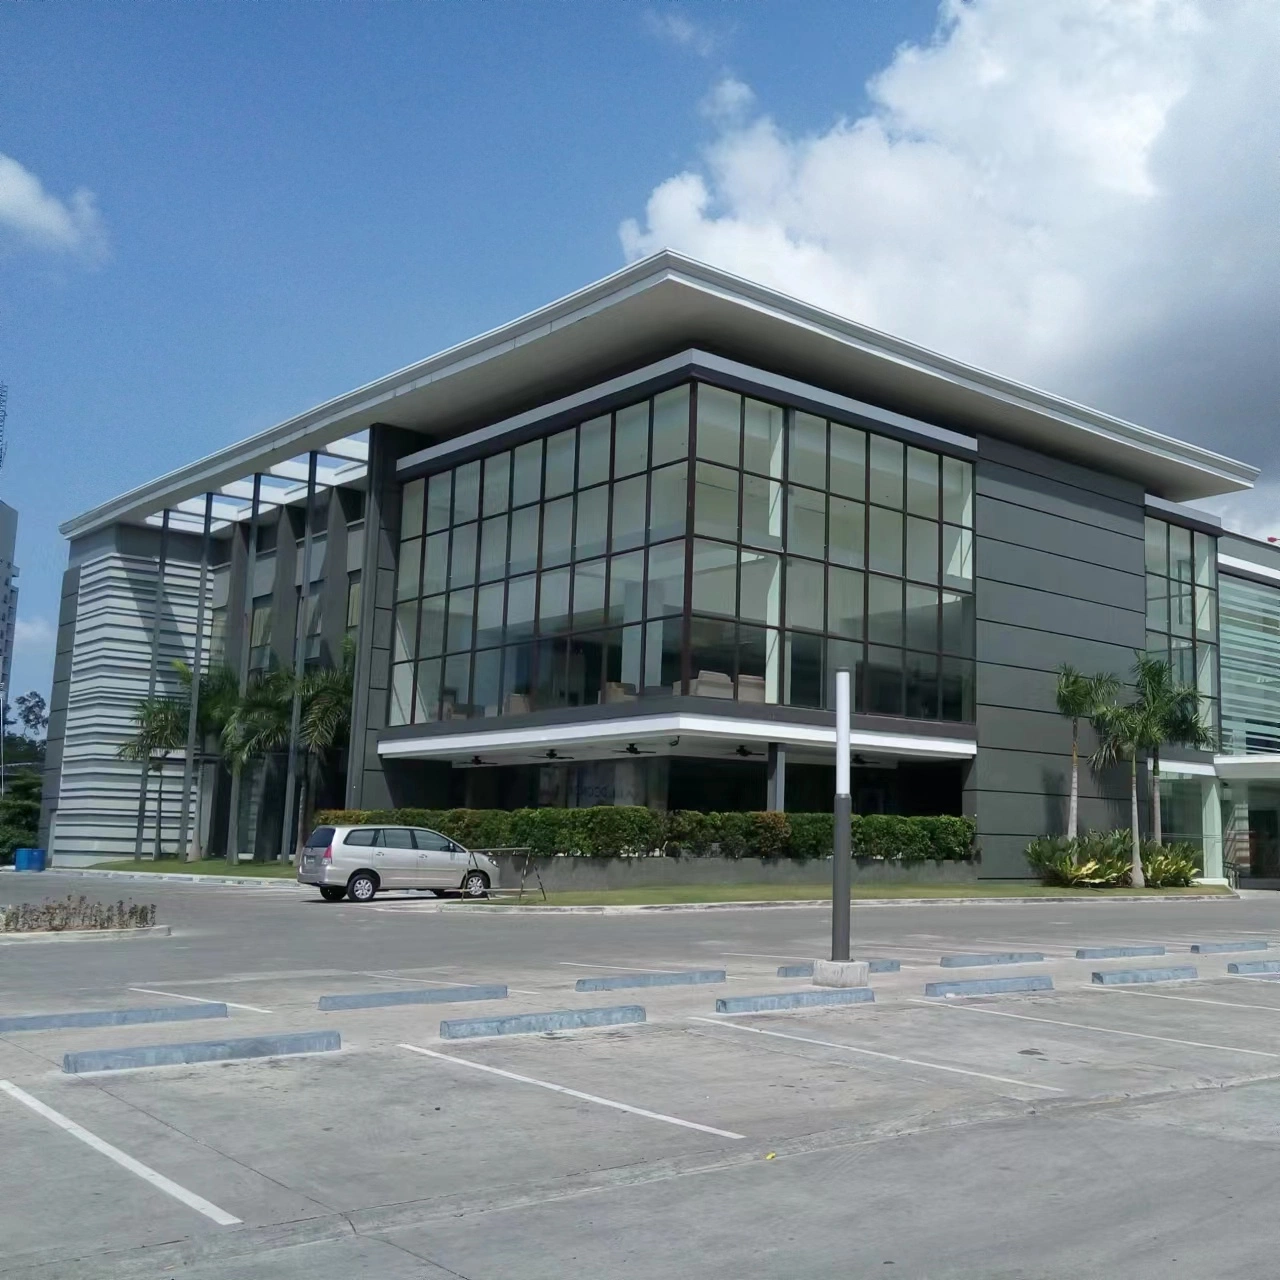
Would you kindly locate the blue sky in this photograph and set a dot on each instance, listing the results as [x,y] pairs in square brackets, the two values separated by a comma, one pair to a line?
[295,198]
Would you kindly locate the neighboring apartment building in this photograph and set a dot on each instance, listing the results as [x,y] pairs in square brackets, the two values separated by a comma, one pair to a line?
[8,592]
[614,552]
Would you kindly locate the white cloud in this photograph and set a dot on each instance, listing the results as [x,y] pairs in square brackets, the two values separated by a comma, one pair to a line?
[33,635]
[728,102]
[37,219]
[1078,193]
[679,29]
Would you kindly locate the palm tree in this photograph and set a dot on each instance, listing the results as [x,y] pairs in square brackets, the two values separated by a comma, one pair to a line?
[160,727]
[1077,696]
[1123,732]
[1174,713]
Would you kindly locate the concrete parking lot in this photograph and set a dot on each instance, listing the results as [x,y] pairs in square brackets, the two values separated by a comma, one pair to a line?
[1079,1132]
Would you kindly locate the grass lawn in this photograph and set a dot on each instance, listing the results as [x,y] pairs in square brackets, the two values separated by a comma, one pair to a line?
[807,892]
[205,867]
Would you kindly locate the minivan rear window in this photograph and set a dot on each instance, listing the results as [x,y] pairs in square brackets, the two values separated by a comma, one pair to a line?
[362,836]
[320,838]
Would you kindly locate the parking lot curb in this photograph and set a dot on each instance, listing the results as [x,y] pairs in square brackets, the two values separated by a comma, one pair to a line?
[1217,948]
[1254,966]
[523,1024]
[168,1055]
[174,877]
[795,1000]
[417,995]
[111,1017]
[88,935]
[1116,953]
[620,981]
[988,986]
[1129,977]
[984,961]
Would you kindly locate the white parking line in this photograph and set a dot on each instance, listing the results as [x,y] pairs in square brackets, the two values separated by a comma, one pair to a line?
[174,995]
[1160,995]
[444,982]
[615,968]
[574,1093]
[1111,1031]
[189,1198]
[875,1053]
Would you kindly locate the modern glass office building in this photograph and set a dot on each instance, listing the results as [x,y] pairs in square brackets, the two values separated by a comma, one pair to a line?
[615,551]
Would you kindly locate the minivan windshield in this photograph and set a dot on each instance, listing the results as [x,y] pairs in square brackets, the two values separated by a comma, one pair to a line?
[320,838]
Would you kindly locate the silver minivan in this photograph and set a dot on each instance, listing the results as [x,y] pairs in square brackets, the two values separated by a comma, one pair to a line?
[355,862]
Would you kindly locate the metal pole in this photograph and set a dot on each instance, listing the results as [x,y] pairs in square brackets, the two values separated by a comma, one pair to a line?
[246,643]
[4,729]
[842,852]
[299,666]
[151,683]
[197,662]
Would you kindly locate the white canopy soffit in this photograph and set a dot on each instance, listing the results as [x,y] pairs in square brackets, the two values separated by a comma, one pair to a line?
[668,303]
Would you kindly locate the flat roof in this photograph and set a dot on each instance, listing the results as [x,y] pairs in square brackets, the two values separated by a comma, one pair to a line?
[666,303]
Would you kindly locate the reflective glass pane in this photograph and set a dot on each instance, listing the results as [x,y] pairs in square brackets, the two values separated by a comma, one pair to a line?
[844,602]
[802,670]
[713,655]
[493,547]
[715,502]
[521,594]
[455,693]
[759,664]
[761,511]
[439,500]
[626,587]
[1182,660]
[1180,619]
[406,621]
[1206,615]
[561,449]
[886,472]
[553,603]
[431,629]
[884,541]
[557,531]
[1157,604]
[586,658]
[426,697]
[957,689]
[668,501]
[435,572]
[622,664]
[844,655]
[922,549]
[466,492]
[719,424]
[462,611]
[526,473]
[957,556]
[760,598]
[670,426]
[486,683]
[806,522]
[848,461]
[921,693]
[922,617]
[884,610]
[957,491]
[807,456]
[517,679]
[524,540]
[1180,564]
[411,501]
[957,623]
[1158,645]
[400,701]
[462,556]
[882,682]
[497,483]
[631,439]
[762,438]
[665,586]
[1157,537]
[1207,670]
[593,451]
[1206,552]
[922,483]
[847,534]
[805,590]
[715,568]
[593,522]
[628,513]
[408,568]
[588,594]
[490,601]
[662,657]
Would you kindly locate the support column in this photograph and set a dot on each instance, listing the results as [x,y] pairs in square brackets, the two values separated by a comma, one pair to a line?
[299,668]
[151,685]
[193,706]
[246,646]
[777,799]
[1211,829]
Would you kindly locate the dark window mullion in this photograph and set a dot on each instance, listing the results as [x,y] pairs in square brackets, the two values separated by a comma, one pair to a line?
[536,664]
[644,561]
[737,575]
[608,561]
[417,621]
[691,489]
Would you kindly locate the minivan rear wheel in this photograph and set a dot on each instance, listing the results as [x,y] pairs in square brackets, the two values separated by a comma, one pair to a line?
[332,892]
[475,885]
[361,887]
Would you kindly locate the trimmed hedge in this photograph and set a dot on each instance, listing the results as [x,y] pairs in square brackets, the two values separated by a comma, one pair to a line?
[629,830]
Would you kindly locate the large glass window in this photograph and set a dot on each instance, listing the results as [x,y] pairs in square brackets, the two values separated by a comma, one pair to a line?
[1250,666]
[574,569]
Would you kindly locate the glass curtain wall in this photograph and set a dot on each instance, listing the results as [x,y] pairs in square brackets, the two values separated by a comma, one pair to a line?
[1182,607]
[1250,667]
[700,542]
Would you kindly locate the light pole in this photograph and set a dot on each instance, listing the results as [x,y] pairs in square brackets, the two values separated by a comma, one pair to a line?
[843,821]
[4,729]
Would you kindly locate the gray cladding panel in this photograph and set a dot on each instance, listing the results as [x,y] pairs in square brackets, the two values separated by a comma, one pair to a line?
[1055,498]
[1029,815]
[1024,566]
[1035,610]
[1058,535]
[1037,772]
[1006,645]
[1005,454]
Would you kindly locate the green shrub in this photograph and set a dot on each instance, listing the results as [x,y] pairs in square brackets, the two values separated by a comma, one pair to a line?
[812,835]
[1104,859]
[1169,866]
[770,834]
[951,838]
[883,835]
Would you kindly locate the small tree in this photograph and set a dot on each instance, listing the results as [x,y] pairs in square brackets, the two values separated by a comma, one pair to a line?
[33,713]
[1078,696]
[19,812]
[160,727]
[1122,734]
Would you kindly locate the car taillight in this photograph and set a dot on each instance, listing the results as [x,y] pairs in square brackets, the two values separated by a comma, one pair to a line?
[327,855]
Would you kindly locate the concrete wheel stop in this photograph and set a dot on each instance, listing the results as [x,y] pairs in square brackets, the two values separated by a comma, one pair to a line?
[841,973]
